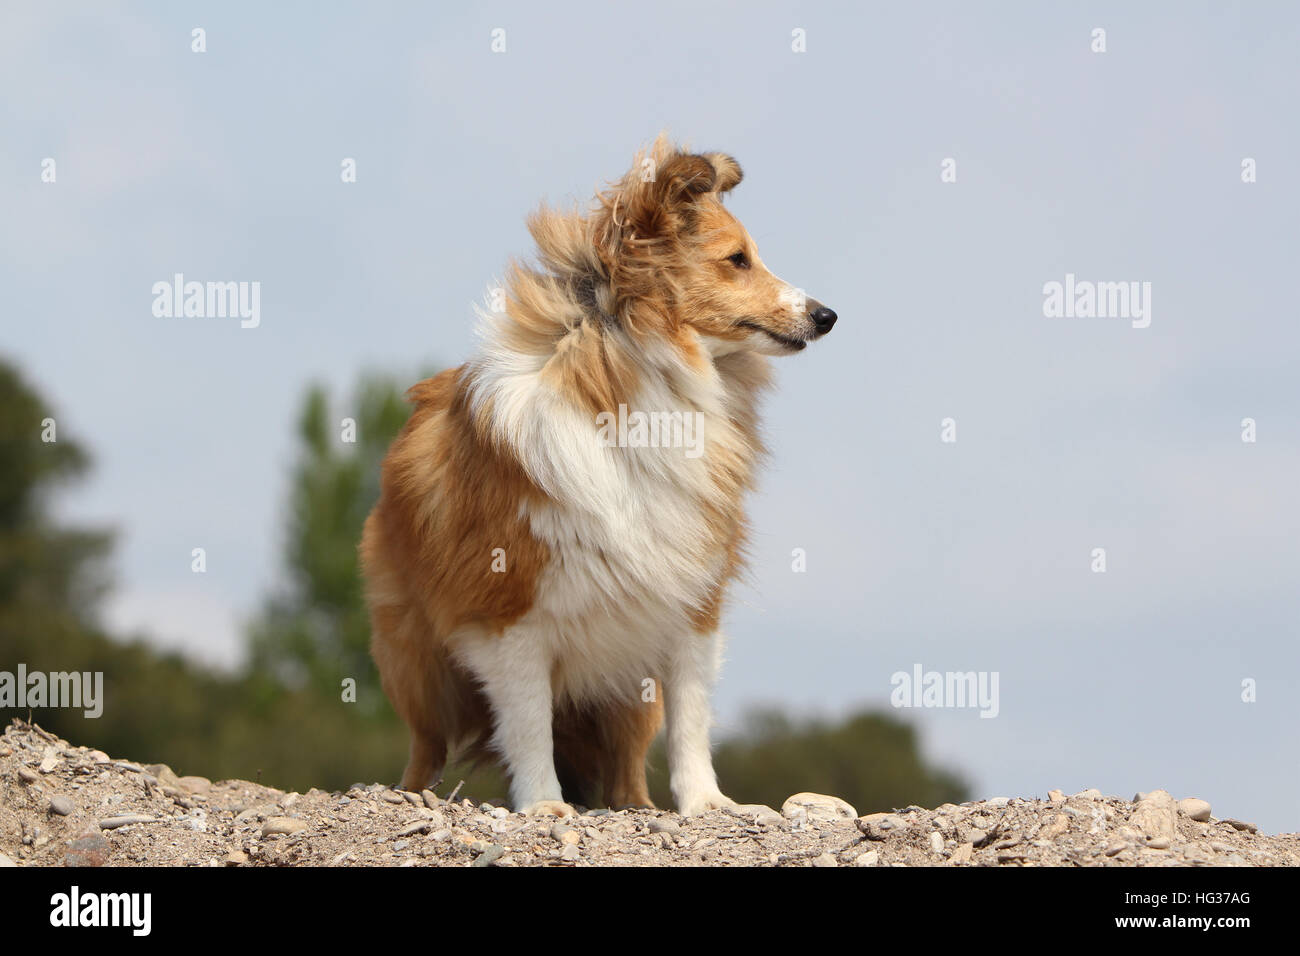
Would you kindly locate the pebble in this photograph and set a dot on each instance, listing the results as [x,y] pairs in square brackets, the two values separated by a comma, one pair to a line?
[393,797]
[194,784]
[401,845]
[490,855]
[1054,827]
[1089,794]
[936,842]
[870,858]
[558,831]
[112,823]
[27,776]
[826,859]
[61,805]
[6,862]
[1239,825]
[498,813]
[997,802]
[664,825]
[236,858]
[963,853]
[570,854]
[1197,810]
[98,756]
[1155,816]
[431,799]
[880,826]
[284,825]
[819,806]
[1055,796]
[756,813]
[89,849]
[419,826]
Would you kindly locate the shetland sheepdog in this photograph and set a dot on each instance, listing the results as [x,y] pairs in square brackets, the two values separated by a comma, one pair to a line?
[549,556]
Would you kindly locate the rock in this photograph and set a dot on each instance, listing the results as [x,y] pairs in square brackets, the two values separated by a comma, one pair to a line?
[1055,797]
[113,823]
[756,813]
[1159,843]
[412,798]
[27,776]
[283,825]
[881,826]
[870,858]
[98,756]
[61,805]
[393,797]
[664,825]
[490,855]
[963,853]
[826,859]
[1054,827]
[165,775]
[89,849]
[419,826]
[1089,794]
[237,858]
[1197,810]
[194,784]
[1239,825]
[50,761]
[997,802]
[431,799]
[819,806]
[1155,816]
[570,854]
[936,842]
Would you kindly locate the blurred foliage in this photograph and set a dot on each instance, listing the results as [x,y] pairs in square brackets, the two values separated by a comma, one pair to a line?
[282,718]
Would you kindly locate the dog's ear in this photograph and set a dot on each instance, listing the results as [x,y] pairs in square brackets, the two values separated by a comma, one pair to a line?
[726,170]
[656,200]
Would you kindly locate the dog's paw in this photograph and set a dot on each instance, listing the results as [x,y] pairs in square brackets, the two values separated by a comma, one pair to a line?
[698,803]
[554,808]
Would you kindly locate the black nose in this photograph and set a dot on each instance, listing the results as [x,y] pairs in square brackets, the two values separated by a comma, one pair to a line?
[823,318]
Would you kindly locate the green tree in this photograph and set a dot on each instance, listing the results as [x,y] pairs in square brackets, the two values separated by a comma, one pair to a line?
[315,632]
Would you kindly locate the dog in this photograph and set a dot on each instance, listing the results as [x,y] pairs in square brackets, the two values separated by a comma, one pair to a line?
[545,568]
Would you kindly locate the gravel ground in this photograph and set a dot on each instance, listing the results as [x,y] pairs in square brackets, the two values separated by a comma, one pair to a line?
[66,805]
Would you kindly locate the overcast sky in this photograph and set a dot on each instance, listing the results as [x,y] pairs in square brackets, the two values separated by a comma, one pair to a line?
[975,555]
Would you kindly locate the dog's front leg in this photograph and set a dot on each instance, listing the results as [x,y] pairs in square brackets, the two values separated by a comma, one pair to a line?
[514,669]
[691,672]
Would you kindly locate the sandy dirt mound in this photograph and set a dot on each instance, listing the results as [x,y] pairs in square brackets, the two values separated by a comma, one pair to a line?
[67,805]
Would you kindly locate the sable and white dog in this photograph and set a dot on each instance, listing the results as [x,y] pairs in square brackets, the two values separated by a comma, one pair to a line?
[539,592]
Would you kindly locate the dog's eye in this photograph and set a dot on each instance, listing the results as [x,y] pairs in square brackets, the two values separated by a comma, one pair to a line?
[739,260]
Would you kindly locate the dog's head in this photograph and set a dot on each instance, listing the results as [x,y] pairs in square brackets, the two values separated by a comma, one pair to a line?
[670,247]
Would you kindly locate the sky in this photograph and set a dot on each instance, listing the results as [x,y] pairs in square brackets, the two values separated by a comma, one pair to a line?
[1072,434]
